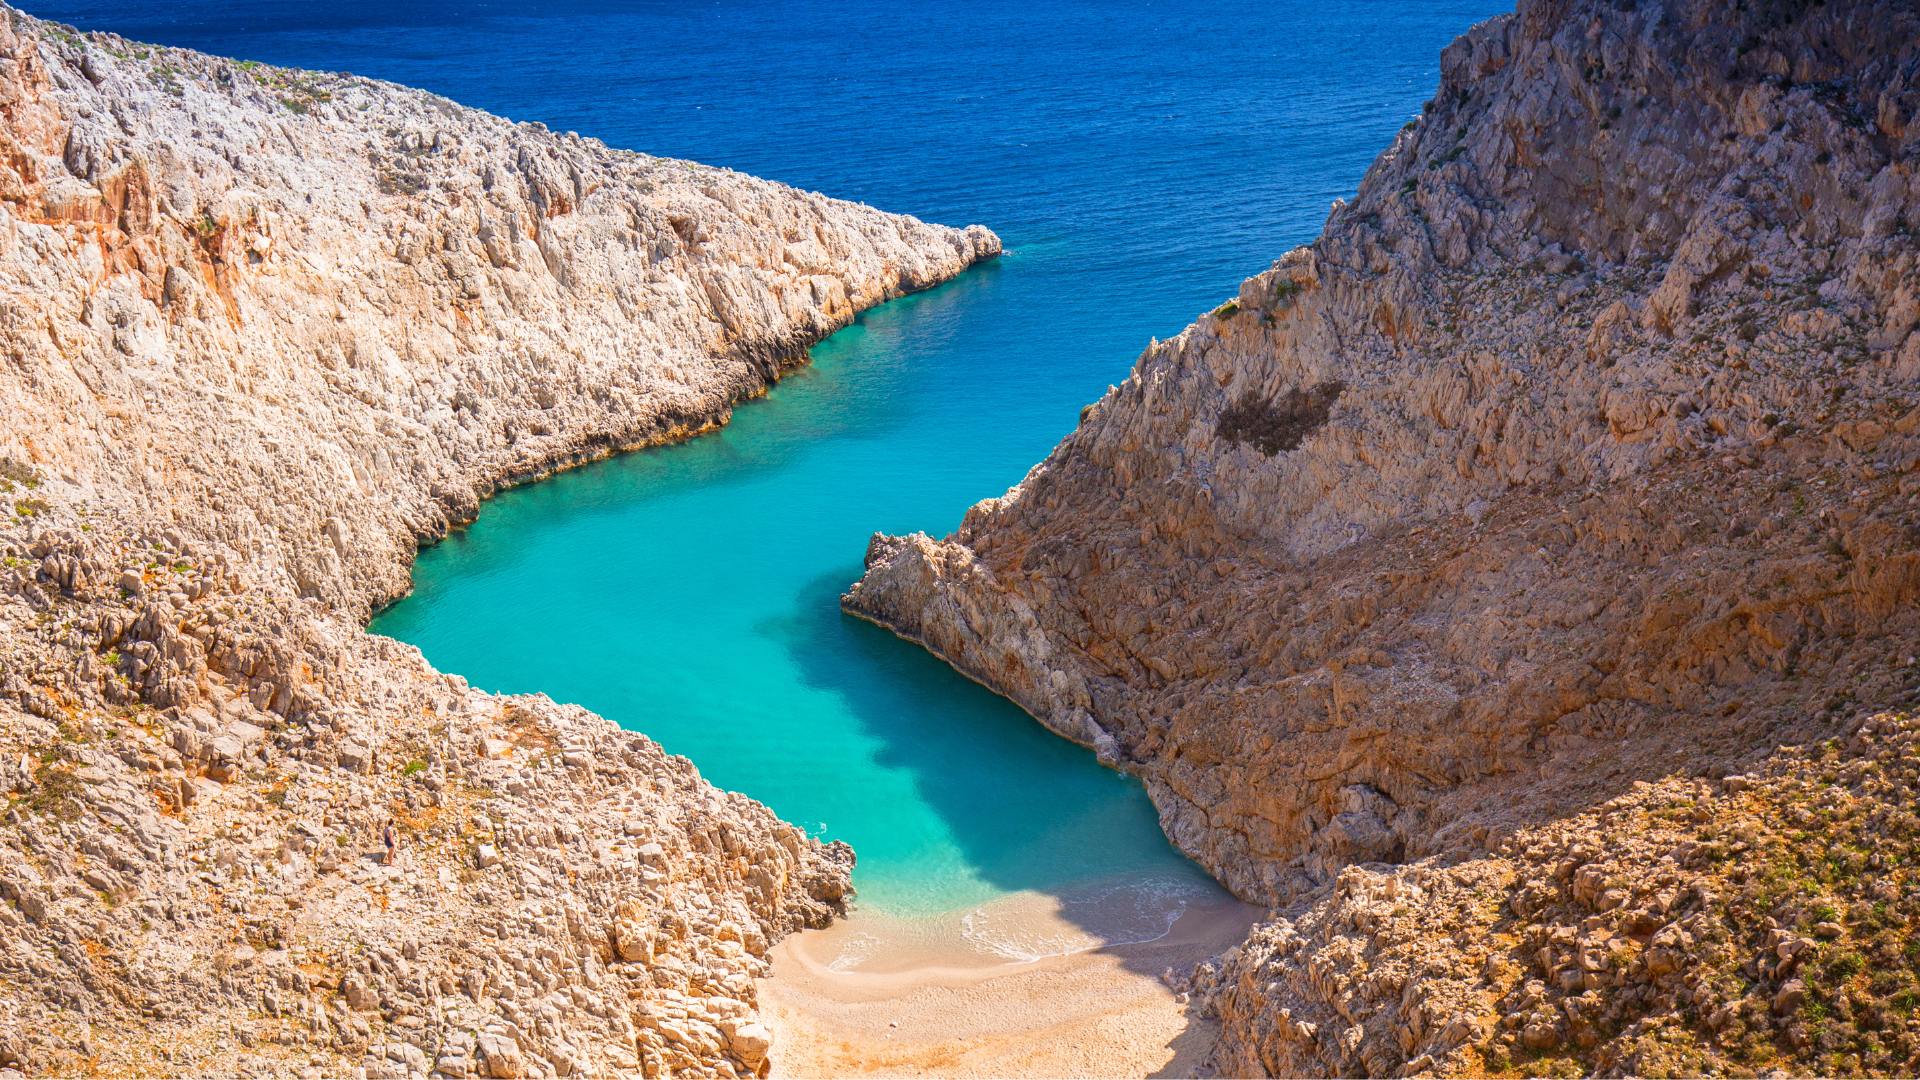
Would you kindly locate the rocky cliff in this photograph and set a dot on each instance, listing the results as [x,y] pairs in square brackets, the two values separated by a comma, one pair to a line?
[1576,454]
[265,331]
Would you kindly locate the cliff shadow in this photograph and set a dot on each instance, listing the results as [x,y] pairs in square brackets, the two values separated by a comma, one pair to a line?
[1028,810]
[1189,1050]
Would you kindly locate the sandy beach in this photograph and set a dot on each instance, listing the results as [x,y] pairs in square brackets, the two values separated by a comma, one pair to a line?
[934,1009]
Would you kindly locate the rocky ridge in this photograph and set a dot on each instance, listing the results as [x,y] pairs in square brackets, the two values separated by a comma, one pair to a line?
[266,331]
[319,316]
[1577,453]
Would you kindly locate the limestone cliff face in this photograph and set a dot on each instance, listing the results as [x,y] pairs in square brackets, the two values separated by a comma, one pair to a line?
[1577,451]
[264,331]
[320,316]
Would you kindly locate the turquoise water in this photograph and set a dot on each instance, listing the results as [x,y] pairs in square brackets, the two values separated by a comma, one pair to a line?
[1138,159]
[692,593]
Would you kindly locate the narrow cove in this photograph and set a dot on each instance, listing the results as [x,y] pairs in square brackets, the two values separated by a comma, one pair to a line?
[690,592]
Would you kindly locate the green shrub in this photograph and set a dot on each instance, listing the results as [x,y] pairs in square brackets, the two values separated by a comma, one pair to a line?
[1845,966]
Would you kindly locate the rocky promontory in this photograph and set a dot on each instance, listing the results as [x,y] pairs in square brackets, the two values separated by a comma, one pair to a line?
[265,332]
[1505,563]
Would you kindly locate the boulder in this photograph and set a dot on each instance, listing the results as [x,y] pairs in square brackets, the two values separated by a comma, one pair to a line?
[504,1061]
[1789,997]
[748,1039]
[632,933]
[355,757]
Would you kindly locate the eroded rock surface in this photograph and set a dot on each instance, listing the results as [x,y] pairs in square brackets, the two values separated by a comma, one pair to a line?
[265,331]
[1578,451]
[1685,927]
[321,316]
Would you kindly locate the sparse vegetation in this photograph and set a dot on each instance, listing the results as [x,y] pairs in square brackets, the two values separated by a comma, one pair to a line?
[56,790]
[19,473]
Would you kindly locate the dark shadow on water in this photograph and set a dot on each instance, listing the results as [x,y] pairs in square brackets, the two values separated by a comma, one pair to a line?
[1028,809]
[998,778]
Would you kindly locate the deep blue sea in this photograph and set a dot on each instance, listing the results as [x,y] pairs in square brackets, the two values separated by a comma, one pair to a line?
[1138,159]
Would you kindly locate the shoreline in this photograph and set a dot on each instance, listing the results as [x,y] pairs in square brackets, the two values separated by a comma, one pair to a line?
[1099,1011]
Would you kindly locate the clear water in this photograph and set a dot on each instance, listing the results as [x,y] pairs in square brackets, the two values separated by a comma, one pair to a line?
[1139,159]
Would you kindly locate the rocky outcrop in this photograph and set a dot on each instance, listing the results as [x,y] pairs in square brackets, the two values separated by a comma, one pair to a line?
[1756,924]
[1578,451]
[205,890]
[265,331]
[319,317]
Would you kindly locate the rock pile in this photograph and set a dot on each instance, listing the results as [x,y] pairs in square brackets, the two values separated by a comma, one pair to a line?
[1578,452]
[266,330]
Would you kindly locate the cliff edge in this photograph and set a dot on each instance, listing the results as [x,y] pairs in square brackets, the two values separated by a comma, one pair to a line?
[265,331]
[1568,476]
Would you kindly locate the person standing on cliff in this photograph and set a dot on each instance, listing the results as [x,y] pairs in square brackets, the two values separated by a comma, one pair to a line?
[393,841]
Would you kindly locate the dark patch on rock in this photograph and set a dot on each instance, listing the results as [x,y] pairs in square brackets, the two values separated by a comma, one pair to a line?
[1278,424]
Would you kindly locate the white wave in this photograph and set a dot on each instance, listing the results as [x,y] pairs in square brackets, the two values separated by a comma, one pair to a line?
[1079,919]
[856,949]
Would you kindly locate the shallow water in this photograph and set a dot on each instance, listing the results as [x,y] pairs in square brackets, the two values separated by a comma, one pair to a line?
[1138,159]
